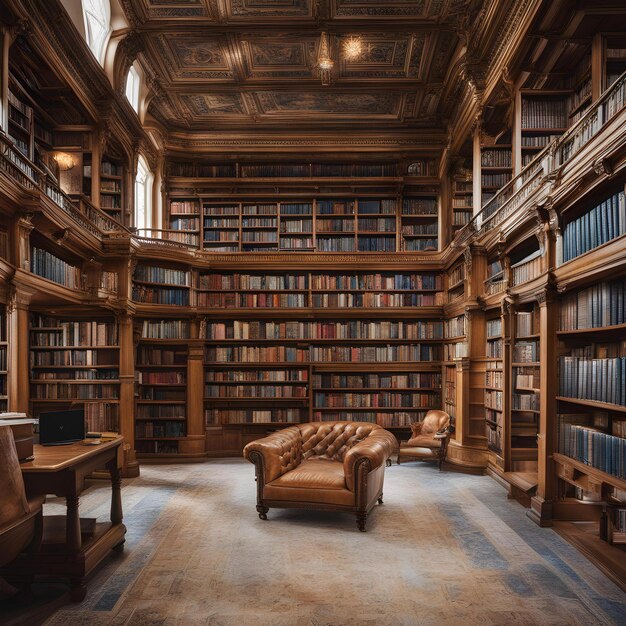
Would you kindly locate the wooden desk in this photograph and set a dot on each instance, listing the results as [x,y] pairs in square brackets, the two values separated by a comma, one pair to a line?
[61,470]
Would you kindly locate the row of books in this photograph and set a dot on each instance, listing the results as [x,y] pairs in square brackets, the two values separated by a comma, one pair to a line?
[110,186]
[544,113]
[380,224]
[494,348]
[602,380]
[162,275]
[183,207]
[415,380]
[600,305]
[257,376]
[220,235]
[165,329]
[420,206]
[257,236]
[376,300]
[386,206]
[185,223]
[227,209]
[419,229]
[254,282]
[47,265]
[56,333]
[296,226]
[335,225]
[296,208]
[110,169]
[337,244]
[527,323]
[161,411]
[161,295]
[159,429]
[526,401]
[494,379]
[455,327]
[252,300]
[148,356]
[335,207]
[348,329]
[259,209]
[102,417]
[538,141]
[420,245]
[63,391]
[109,281]
[596,227]
[255,416]
[493,399]
[255,391]
[70,358]
[379,281]
[494,438]
[161,378]
[162,394]
[495,180]
[296,243]
[592,447]
[202,170]
[452,351]
[79,374]
[377,400]
[461,218]
[456,274]
[496,157]
[110,202]
[331,354]
[494,328]
[526,378]
[526,352]
[376,244]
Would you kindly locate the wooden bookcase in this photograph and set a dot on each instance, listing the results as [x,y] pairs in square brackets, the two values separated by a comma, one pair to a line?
[495,403]
[161,398]
[76,362]
[462,201]
[112,187]
[496,167]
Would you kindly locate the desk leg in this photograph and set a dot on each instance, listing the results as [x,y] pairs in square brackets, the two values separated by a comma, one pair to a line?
[116,493]
[72,528]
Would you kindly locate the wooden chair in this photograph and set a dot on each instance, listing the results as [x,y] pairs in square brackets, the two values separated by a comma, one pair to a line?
[429,440]
[20,518]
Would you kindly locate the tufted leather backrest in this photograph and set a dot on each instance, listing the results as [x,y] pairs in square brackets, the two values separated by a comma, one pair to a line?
[332,440]
[435,421]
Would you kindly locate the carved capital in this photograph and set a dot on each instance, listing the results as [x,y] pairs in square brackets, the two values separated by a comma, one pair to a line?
[603,166]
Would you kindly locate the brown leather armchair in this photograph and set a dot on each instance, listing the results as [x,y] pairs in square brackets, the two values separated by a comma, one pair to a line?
[337,466]
[429,438]
[20,518]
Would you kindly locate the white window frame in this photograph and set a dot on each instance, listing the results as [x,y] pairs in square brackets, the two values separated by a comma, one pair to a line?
[133,85]
[143,195]
[97,17]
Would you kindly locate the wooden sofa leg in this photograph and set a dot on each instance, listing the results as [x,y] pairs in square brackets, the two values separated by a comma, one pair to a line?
[361,519]
[380,499]
[262,510]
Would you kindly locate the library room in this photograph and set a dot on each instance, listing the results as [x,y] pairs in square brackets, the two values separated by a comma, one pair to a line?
[312,312]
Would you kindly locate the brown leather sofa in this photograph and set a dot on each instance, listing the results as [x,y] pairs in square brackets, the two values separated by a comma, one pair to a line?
[338,466]
[20,517]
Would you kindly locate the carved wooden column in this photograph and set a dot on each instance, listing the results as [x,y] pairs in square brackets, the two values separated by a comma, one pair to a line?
[541,504]
[508,330]
[18,361]
[127,391]
[476,167]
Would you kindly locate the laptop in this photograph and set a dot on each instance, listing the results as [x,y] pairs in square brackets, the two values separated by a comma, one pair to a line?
[59,427]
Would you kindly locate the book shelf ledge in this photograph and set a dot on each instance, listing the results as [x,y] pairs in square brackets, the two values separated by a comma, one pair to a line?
[585,476]
[593,403]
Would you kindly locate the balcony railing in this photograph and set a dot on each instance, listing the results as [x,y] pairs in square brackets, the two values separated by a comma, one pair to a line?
[168,238]
[513,195]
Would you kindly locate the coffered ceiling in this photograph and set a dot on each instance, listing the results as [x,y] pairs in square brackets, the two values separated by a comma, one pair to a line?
[251,64]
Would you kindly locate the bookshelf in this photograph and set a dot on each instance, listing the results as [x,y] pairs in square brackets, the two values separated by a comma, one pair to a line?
[456,282]
[496,281]
[341,224]
[48,265]
[450,393]
[614,58]
[74,362]
[544,117]
[419,223]
[526,262]
[163,285]
[21,125]
[184,220]
[588,227]
[393,398]
[161,397]
[112,187]
[525,387]
[4,360]
[494,384]
[462,201]
[496,167]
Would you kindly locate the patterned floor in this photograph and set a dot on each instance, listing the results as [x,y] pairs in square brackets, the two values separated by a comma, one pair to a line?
[445,548]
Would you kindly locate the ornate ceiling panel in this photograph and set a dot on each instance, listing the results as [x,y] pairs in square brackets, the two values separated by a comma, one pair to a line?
[252,64]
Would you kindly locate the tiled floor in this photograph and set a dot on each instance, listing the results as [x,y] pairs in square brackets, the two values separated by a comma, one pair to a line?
[445,548]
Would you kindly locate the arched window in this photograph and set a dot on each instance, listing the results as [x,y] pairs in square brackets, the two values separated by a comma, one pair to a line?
[97,16]
[143,195]
[133,83]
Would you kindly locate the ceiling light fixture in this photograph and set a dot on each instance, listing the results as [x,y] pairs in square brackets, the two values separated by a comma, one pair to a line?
[324,63]
[352,47]
[64,160]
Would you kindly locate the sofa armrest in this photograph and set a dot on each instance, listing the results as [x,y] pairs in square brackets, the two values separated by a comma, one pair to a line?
[277,453]
[373,451]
